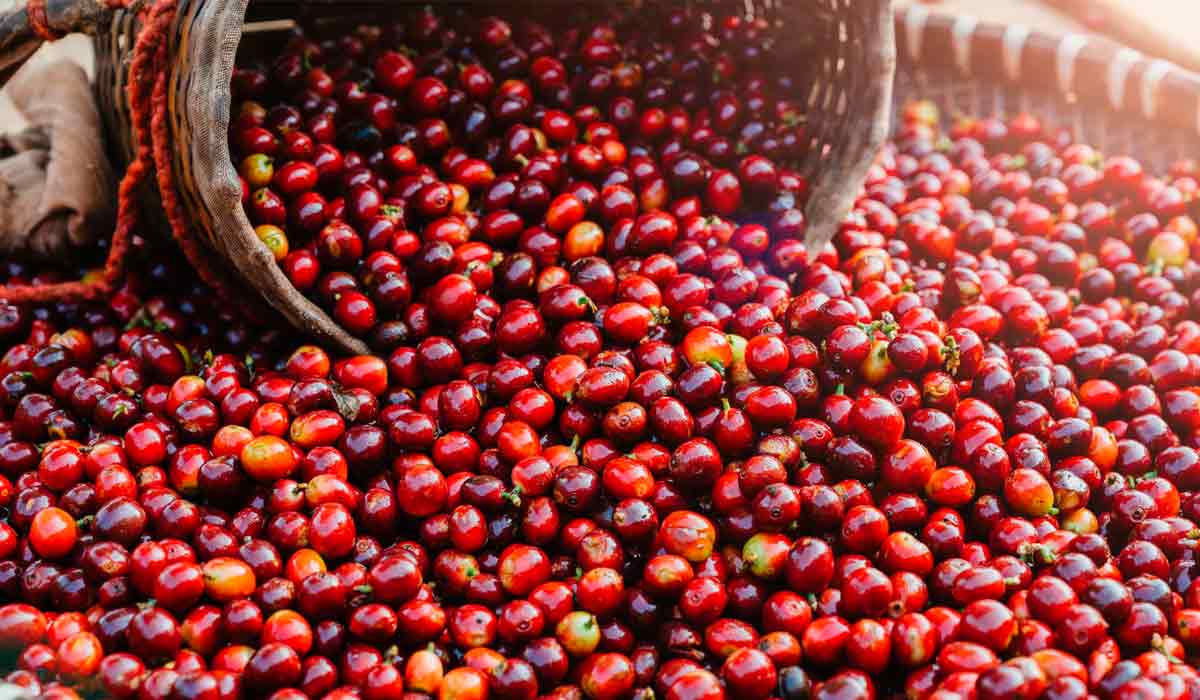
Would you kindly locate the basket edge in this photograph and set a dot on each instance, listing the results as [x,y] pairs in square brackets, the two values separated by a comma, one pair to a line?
[215,180]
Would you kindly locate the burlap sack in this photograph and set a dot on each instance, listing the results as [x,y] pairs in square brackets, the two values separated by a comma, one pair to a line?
[57,188]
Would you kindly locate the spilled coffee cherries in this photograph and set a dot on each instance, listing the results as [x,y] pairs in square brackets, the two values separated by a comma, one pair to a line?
[623,437]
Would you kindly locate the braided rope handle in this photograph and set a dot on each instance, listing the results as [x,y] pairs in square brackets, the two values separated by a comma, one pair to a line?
[24,29]
[48,20]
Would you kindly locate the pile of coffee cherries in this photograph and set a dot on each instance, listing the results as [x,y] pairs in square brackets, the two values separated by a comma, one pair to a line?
[624,436]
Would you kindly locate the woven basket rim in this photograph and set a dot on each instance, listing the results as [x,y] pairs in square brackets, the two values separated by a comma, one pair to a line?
[844,78]
[863,65]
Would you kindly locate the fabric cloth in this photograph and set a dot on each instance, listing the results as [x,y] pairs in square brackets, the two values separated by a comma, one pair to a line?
[57,188]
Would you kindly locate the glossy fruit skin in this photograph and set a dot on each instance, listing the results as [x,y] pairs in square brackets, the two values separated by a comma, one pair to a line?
[53,533]
[877,421]
[619,433]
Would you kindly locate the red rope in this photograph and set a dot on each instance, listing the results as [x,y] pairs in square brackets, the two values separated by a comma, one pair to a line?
[36,10]
[149,117]
[127,213]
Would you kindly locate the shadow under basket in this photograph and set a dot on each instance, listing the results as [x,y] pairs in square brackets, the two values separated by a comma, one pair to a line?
[840,54]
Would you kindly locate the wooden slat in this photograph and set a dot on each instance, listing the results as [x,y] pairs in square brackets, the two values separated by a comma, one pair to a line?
[1159,28]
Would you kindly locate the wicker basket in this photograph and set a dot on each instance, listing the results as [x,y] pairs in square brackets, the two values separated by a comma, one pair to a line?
[1108,95]
[843,51]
